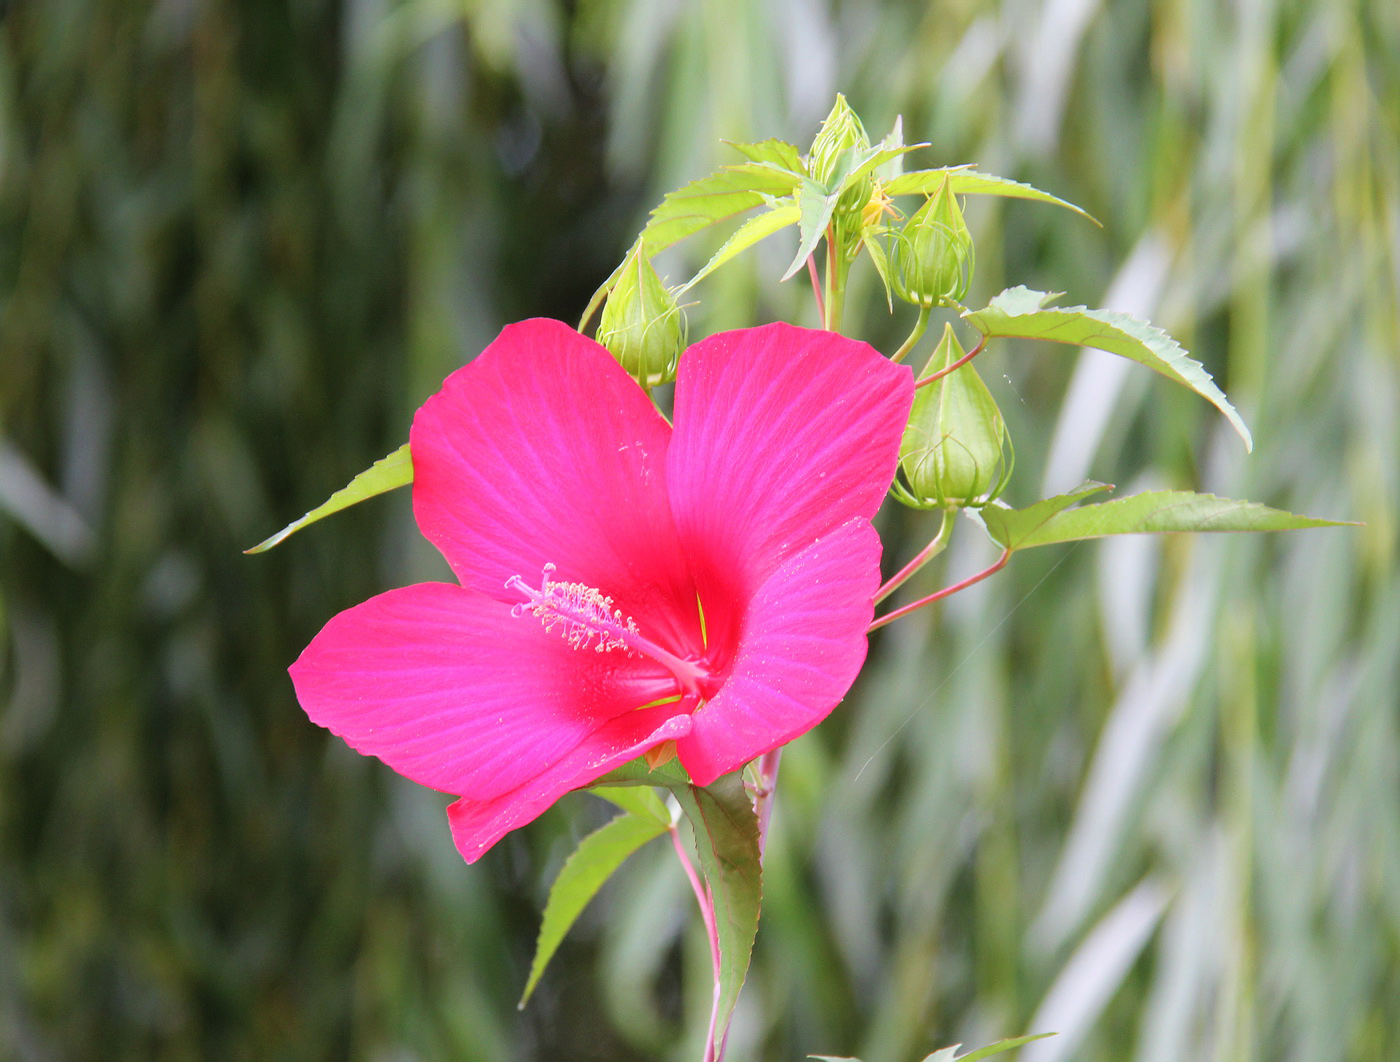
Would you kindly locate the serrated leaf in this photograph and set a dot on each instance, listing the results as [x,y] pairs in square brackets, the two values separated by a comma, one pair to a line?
[636,772]
[393,470]
[876,158]
[1022,313]
[777,152]
[1009,528]
[767,178]
[705,201]
[1000,1046]
[726,838]
[964,180]
[1162,511]
[745,236]
[701,203]
[641,801]
[816,205]
[922,181]
[943,1054]
[594,861]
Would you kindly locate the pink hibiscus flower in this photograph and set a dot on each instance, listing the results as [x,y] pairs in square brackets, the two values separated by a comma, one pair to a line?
[622,584]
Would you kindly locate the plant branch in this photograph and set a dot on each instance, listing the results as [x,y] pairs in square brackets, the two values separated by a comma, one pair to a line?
[956,365]
[763,794]
[816,286]
[947,591]
[914,336]
[836,266]
[707,915]
[933,549]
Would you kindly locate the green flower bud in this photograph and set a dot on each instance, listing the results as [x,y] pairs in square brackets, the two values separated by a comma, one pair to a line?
[932,258]
[841,136]
[952,454]
[642,326]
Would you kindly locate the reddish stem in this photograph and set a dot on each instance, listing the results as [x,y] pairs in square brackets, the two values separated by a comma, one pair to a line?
[763,795]
[707,915]
[816,286]
[947,591]
[920,559]
[956,365]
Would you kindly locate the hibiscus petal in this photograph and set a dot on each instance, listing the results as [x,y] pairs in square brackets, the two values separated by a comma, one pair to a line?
[450,690]
[782,434]
[802,642]
[543,450]
[477,825]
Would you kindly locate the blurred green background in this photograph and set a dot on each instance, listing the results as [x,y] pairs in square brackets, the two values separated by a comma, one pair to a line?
[1144,793]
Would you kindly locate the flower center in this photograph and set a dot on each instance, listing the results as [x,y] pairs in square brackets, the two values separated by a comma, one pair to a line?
[585,616]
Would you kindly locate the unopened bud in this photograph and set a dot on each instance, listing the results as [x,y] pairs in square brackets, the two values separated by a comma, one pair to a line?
[953,455]
[641,325]
[932,257]
[841,137]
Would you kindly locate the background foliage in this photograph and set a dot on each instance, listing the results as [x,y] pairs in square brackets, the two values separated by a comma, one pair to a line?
[1146,793]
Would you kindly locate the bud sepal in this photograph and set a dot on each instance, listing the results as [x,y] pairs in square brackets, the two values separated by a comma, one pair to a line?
[642,325]
[932,257]
[956,453]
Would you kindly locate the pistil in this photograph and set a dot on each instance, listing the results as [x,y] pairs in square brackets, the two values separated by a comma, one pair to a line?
[585,616]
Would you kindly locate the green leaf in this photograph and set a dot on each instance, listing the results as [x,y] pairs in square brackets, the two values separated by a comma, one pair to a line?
[818,201]
[1010,528]
[1022,313]
[726,837]
[745,236]
[766,178]
[636,772]
[708,200]
[921,181]
[395,470]
[776,152]
[1157,512]
[893,167]
[947,1054]
[881,262]
[583,874]
[963,180]
[641,801]
[1000,1046]
[816,205]
[877,158]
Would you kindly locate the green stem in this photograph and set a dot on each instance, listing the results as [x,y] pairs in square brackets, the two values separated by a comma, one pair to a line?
[915,335]
[837,265]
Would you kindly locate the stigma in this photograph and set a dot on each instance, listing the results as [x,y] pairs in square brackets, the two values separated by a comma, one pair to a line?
[583,614]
